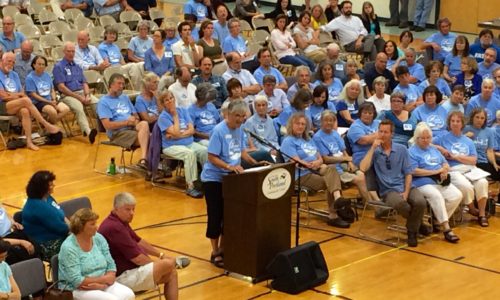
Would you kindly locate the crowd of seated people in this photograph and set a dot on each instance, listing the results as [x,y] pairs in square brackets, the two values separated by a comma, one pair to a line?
[201,85]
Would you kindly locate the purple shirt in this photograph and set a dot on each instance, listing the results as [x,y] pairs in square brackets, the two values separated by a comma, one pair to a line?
[70,74]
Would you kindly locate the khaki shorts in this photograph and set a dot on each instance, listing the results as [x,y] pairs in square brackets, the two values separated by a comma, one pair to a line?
[138,279]
[124,138]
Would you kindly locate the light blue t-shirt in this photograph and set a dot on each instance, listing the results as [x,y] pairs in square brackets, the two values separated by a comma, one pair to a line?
[441,84]
[42,85]
[5,274]
[204,118]
[444,41]
[140,46]
[111,52]
[453,62]
[231,44]
[149,106]
[263,127]
[496,128]
[227,144]
[456,145]
[484,139]
[330,144]
[357,130]
[289,111]
[411,91]
[260,72]
[298,147]
[195,8]
[220,32]
[11,45]
[10,82]
[166,120]
[434,117]
[450,107]
[491,106]
[115,109]
[334,88]
[428,159]
[417,71]
[316,110]
[486,72]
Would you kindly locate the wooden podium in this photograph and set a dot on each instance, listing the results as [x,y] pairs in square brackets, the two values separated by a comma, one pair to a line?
[257,218]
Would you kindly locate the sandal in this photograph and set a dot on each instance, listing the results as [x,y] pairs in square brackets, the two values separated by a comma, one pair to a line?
[143,164]
[451,237]
[483,221]
[217,260]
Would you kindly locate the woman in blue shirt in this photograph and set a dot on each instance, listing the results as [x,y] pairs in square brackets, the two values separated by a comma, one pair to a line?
[316,176]
[85,263]
[431,112]
[319,104]
[453,61]
[8,285]
[430,174]
[461,154]
[348,104]
[433,71]
[484,139]
[326,76]
[300,103]
[203,113]
[226,148]
[363,132]
[158,59]
[40,89]
[404,122]
[43,219]
[146,103]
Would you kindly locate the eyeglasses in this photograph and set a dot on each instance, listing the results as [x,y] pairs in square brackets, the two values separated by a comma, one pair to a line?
[388,163]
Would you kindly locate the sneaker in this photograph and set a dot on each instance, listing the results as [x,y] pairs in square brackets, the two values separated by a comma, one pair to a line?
[390,24]
[412,239]
[403,25]
[192,192]
[181,262]
[424,230]
[382,213]
[338,222]
[92,136]
[419,29]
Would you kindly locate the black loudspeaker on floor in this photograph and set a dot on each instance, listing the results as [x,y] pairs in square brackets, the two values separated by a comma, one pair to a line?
[298,269]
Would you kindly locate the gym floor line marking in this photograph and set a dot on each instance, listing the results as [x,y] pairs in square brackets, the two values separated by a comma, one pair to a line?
[201,281]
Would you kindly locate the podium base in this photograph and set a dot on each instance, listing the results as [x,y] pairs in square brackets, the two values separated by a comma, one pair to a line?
[248,279]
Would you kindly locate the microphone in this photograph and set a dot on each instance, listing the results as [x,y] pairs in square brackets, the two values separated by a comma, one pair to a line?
[258,138]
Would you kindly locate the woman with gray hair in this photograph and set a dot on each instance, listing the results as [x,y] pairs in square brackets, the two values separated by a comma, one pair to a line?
[177,140]
[140,43]
[203,113]
[431,178]
[381,100]
[348,103]
[146,103]
[226,148]
[404,122]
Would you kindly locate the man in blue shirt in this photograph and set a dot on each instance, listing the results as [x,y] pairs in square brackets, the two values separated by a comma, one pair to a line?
[206,65]
[391,164]
[488,65]
[87,56]
[442,41]
[70,82]
[221,30]
[111,7]
[195,8]
[265,68]
[277,99]
[9,39]
[417,71]
[234,42]
[23,60]
[485,41]
[120,119]
[487,100]
[86,6]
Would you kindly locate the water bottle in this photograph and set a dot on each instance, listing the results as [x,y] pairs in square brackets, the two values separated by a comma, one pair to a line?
[112,167]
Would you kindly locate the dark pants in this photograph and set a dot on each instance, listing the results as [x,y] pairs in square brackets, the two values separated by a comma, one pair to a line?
[215,208]
[412,210]
[398,15]
[259,155]
[495,175]
[18,253]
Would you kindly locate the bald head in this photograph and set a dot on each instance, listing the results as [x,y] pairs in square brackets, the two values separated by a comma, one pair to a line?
[26,49]
[69,51]
[83,39]
[8,25]
[381,62]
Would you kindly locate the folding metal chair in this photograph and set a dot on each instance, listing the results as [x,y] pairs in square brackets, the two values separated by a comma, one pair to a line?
[30,276]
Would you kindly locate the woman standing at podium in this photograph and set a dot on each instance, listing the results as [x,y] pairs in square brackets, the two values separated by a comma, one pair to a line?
[226,147]
[317,176]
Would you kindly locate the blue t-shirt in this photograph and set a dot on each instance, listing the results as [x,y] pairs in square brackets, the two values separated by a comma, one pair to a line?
[434,117]
[260,72]
[412,92]
[140,46]
[351,107]
[115,109]
[111,52]
[42,85]
[496,128]
[143,105]
[231,44]
[316,110]
[417,71]
[453,62]
[428,159]
[220,32]
[159,66]
[204,118]
[334,88]
[486,72]
[484,139]
[298,147]
[444,41]
[227,144]
[10,82]
[289,111]
[456,145]
[5,274]
[166,120]
[330,144]
[391,169]
[491,107]
[357,130]
[195,8]
[477,52]
[11,45]
[441,84]
[169,42]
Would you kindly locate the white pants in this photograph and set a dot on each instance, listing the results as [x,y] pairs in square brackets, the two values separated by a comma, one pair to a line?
[116,291]
[468,187]
[442,199]
[189,155]
[77,107]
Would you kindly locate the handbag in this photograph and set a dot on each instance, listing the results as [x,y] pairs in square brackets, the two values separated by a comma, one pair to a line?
[53,293]
[437,179]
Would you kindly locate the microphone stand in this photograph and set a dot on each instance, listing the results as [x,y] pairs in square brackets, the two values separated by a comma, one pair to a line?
[300,164]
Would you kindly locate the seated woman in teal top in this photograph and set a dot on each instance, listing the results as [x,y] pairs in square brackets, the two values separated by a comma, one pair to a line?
[85,263]
[43,219]
[8,285]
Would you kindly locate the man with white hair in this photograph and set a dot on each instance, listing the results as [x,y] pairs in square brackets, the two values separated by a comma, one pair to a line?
[487,100]
[87,56]
[75,92]
[303,80]
[486,67]
[132,254]
[333,54]
[10,39]
[235,70]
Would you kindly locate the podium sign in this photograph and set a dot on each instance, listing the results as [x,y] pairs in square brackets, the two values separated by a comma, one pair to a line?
[257,218]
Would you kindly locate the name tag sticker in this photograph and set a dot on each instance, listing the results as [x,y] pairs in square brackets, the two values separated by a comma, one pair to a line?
[168,54]
[407,127]
[228,136]
[339,67]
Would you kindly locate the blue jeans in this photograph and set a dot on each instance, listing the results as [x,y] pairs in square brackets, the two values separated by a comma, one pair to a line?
[422,11]
[298,60]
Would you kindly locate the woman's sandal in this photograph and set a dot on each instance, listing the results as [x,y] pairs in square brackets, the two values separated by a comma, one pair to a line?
[483,221]
[217,260]
[451,237]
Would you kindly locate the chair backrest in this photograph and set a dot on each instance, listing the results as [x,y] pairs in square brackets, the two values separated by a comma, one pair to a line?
[46,16]
[22,19]
[48,41]
[56,53]
[261,36]
[30,31]
[83,23]
[10,10]
[71,14]
[131,18]
[59,27]
[259,23]
[70,36]
[71,206]
[54,268]
[96,33]
[106,20]
[156,13]
[30,276]
[95,81]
